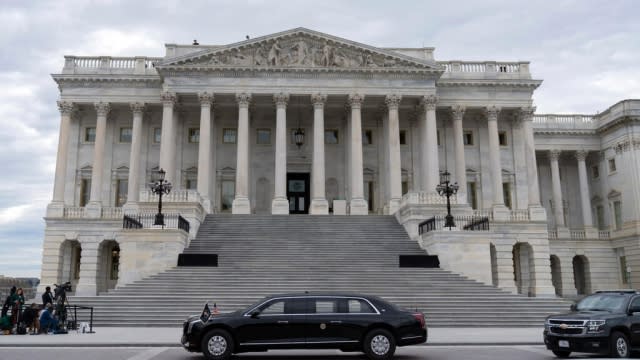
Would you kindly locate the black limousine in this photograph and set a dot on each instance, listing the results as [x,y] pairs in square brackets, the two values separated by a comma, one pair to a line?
[306,321]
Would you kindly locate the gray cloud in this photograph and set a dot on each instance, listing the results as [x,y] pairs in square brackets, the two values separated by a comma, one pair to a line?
[585,51]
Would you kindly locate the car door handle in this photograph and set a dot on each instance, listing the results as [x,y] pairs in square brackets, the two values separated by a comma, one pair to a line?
[283,322]
[336,322]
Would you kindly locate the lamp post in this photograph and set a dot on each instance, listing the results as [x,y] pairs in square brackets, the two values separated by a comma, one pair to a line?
[445,188]
[160,187]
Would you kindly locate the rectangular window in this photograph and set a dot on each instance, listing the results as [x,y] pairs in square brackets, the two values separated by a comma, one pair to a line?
[405,187]
[192,184]
[368,193]
[122,189]
[325,306]
[367,137]
[157,135]
[468,138]
[600,217]
[623,270]
[228,193]
[403,137]
[125,135]
[506,192]
[502,138]
[85,191]
[472,198]
[263,136]
[194,135]
[595,171]
[617,212]
[331,136]
[438,137]
[90,134]
[612,165]
[229,136]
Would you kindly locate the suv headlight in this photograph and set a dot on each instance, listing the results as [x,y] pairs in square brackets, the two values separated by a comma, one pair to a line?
[595,326]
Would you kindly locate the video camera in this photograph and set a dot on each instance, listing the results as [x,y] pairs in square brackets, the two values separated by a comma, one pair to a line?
[61,290]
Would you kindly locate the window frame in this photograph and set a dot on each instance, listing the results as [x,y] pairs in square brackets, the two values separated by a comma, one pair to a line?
[464,138]
[612,169]
[191,135]
[595,171]
[337,136]
[258,130]
[502,135]
[235,136]
[368,134]
[86,133]
[153,135]
[403,137]
[120,133]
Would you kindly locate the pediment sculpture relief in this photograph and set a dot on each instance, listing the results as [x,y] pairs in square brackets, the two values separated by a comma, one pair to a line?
[301,52]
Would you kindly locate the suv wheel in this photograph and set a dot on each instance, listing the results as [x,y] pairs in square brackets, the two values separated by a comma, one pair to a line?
[217,344]
[620,345]
[379,344]
[561,353]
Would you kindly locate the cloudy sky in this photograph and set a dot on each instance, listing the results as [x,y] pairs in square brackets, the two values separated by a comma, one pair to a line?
[585,51]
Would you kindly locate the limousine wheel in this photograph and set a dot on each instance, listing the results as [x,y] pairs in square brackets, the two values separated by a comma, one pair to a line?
[217,344]
[379,344]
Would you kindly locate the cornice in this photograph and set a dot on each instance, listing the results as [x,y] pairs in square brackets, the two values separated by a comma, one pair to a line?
[533,84]
[136,81]
[569,132]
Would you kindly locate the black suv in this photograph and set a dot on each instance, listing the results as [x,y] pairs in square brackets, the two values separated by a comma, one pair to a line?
[607,322]
[306,321]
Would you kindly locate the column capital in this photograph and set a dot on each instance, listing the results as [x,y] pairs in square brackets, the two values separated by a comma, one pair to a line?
[491,112]
[554,154]
[281,99]
[137,107]
[581,155]
[206,98]
[458,112]
[318,100]
[393,101]
[429,102]
[66,107]
[102,108]
[355,100]
[168,98]
[526,113]
[243,99]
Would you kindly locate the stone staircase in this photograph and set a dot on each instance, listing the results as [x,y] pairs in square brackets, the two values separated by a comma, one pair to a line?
[263,255]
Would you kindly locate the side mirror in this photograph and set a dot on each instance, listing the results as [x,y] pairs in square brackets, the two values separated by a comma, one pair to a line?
[254,314]
[573,307]
[633,310]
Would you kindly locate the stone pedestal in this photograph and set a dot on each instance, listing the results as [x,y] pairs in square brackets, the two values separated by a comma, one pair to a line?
[280,206]
[501,213]
[241,206]
[563,232]
[339,207]
[591,232]
[319,207]
[55,209]
[93,210]
[537,213]
[394,205]
[358,207]
[146,252]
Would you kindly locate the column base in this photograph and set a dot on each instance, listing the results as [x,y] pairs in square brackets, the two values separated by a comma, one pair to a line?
[319,207]
[501,213]
[241,205]
[394,205]
[569,292]
[207,205]
[545,291]
[358,207]
[93,210]
[339,207]
[537,213]
[55,209]
[280,206]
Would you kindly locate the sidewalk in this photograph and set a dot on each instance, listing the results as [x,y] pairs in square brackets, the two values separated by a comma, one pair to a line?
[169,337]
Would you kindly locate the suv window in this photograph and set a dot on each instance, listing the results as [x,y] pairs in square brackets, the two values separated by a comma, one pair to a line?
[602,302]
[635,303]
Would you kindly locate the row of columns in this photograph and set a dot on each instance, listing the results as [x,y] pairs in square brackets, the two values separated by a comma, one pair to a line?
[427,139]
[558,209]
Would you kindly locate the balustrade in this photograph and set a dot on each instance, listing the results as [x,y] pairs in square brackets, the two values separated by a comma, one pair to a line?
[578,234]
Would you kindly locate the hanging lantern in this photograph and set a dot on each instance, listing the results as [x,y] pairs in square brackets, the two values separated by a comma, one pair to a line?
[298,136]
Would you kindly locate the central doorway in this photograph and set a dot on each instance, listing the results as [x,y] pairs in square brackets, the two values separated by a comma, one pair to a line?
[298,193]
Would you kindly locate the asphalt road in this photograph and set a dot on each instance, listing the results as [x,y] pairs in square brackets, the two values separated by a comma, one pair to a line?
[163,353]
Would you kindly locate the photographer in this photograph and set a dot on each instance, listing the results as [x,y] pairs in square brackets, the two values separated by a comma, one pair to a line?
[47,322]
[47,297]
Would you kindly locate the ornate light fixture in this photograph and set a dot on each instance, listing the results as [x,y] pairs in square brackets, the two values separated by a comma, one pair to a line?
[160,187]
[298,135]
[445,188]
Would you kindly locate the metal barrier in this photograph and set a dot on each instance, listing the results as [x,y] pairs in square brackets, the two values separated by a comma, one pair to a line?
[467,223]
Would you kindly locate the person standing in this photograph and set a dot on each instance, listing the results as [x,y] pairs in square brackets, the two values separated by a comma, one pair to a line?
[17,300]
[47,297]
[7,302]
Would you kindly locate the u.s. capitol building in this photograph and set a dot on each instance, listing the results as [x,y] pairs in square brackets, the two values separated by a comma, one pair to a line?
[302,122]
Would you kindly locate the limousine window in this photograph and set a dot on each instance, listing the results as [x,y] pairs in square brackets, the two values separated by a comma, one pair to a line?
[357,306]
[283,306]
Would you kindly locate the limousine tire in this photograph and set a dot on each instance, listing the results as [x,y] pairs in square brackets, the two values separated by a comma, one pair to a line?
[217,344]
[379,344]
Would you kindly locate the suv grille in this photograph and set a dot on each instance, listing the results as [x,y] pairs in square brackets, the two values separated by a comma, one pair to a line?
[567,331]
[568,322]
[567,327]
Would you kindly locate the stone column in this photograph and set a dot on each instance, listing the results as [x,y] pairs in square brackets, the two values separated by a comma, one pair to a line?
[205,150]
[504,267]
[319,204]
[56,208]
[280,203]
[500,211]
[241,204]
[458,142]
[587,219]
[94,207]
[536,211]
[133,191]
[168,136]
[393,146]
[357,205]
[557,188]
[88,268]
[429,139]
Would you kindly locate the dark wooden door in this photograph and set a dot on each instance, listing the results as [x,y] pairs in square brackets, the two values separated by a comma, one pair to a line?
[298,193]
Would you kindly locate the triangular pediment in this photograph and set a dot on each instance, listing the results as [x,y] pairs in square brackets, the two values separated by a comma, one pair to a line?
[299,49]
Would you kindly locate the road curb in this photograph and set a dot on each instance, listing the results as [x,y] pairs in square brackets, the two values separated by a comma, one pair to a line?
[147,345]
